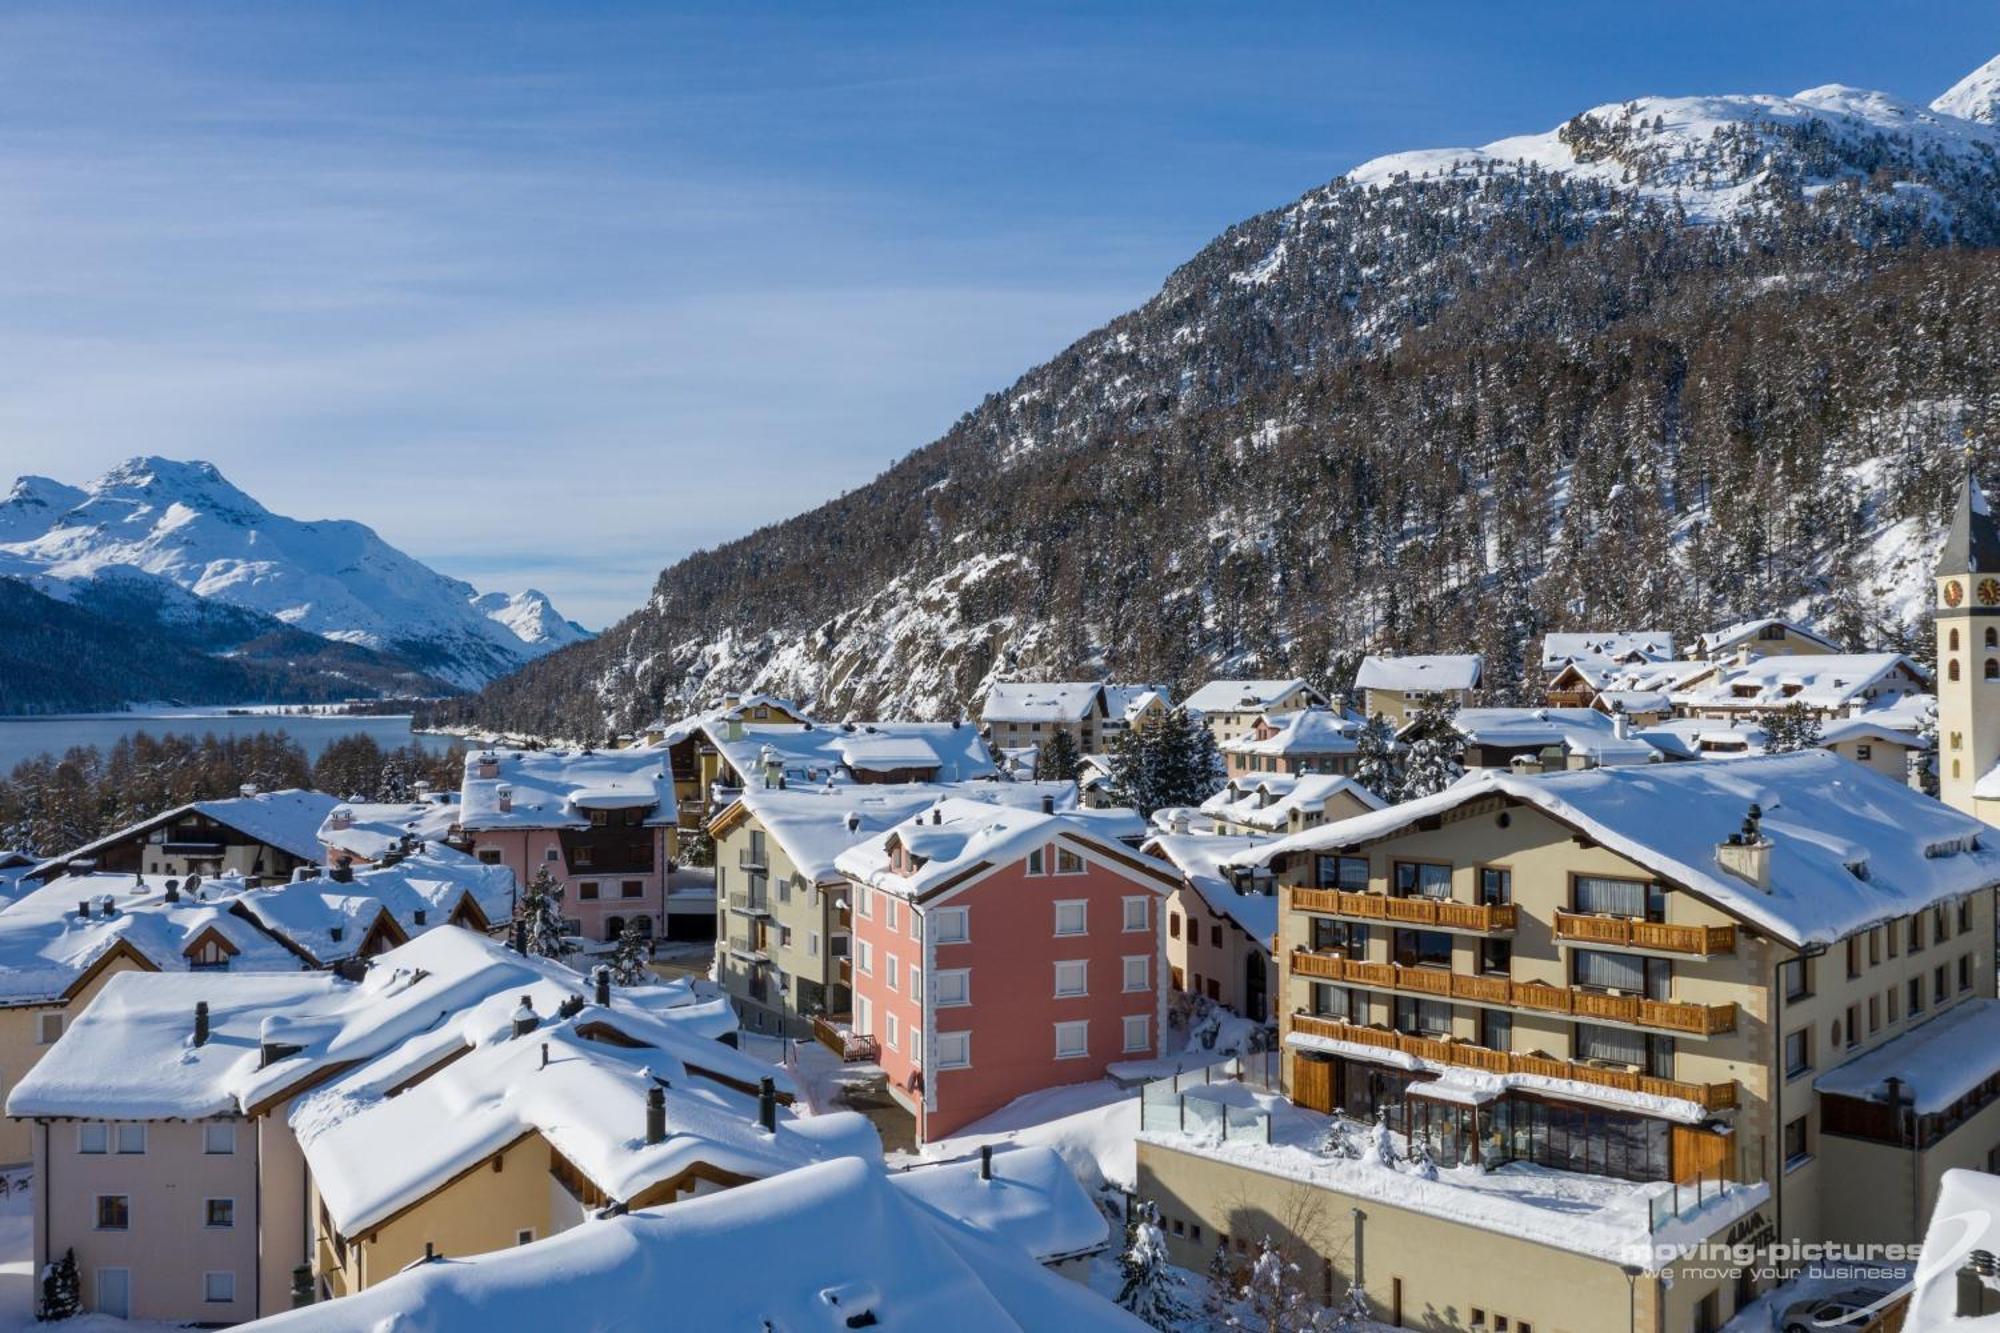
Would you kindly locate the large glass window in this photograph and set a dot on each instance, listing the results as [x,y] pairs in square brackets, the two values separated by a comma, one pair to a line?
[1496,886]
[1423,1018]
[1344,936]
[1630,973]
[1615,1045]
[1595,895]
[1344,872]
[1420,948]
[1418,879]
[1337,1002]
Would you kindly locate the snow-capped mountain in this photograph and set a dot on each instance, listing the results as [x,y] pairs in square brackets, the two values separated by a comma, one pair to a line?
[184,523]
[1677,361]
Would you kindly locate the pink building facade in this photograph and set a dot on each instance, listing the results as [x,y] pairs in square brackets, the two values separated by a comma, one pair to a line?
[1038,971]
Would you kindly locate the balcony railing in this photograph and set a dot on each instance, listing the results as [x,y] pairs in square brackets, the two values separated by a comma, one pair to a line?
[1438,913]
[1701,1020]
[833,1034]
[1709,1096]
[745,901]
[749,858]
[1625,932]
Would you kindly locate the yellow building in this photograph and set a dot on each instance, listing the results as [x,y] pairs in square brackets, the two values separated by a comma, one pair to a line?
[1686,975]
[1968,640]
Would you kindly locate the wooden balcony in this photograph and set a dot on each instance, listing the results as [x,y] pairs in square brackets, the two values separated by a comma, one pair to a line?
[1435,913]
[849,1046]
[1709,1096]
[1623,932]
[1700,1020]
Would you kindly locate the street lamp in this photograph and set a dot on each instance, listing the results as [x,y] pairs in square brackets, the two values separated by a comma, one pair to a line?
[1631,1272]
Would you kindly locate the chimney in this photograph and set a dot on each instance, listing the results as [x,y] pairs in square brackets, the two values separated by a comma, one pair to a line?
[656,1114]
[430,1253]
[343,869]
[732,728]
[1178,822]
[986,1161]
[420,916]
[525,1018]
[853,822]
[341,819]
[1621,723]
[201,1022]
[604,988]
[1743,655]
[107,907]
[937,815]
[520,938]
[83,908]
[767,1106]
[1048,804]
[505,795]
[489,766]
[173,890]
[248,789]
[1977,1279]
[545,1055]
[731,701]
[1747,854]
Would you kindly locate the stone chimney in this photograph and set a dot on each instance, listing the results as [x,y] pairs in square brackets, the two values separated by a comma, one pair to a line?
[525,1018]
[505,795]
[1178,822]
[340,820]
[1746,854]
[248,789]
[656,1114]
[489,766]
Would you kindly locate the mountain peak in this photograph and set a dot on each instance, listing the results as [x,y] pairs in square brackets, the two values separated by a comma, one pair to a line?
[155,477]
[1974,97]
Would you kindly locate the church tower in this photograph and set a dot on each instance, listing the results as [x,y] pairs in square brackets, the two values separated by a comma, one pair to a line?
[1968,643]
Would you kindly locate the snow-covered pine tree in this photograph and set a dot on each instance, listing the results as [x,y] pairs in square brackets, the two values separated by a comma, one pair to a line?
[1789,729]
[1221,1282]
[630,954]
[1337,1140]
[1381,1146]
[1272,1299]
[62,1289]
[1375,760]
[1435,747]
[1422,1164]
[1352,1315]
[1058,759]
[539,913]
[1148,1289]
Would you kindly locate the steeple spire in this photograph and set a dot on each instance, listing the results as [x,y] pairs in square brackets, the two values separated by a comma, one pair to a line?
[1973,544]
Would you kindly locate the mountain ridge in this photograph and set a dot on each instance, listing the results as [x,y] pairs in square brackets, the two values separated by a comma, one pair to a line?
[1674,361]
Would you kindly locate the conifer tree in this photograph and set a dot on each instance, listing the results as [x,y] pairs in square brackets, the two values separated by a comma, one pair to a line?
[62,1289]
[1432,760]
[1148,1289]
[1058,760]
[629,957]
[1790,729]
[539,915]
[1375,766]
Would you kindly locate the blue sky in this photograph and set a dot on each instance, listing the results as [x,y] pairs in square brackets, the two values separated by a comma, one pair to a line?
[552,294]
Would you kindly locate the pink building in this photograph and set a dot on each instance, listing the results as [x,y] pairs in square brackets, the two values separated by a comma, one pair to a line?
[998,951]
[601,822]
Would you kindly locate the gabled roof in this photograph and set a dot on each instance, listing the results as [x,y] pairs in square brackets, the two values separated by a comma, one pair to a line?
[559,788]
[1850,847]
[1436,671]
[1267,800]
[1718,643]
[1041,701]
[1202,859]
[1127,702]
[1247,696]
[846,1248]
[1606,647]
[1577,731]
[306,913]
[811,754]
[1972,544]
[1304,731]
[1031,1203]
[371,829]
[288,820]
[1821,681]
[957,841]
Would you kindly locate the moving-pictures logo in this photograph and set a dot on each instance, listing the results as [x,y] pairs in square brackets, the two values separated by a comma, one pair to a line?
[1956,1241]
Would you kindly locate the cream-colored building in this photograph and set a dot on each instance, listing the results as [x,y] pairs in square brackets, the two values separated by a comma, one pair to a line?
[1274,803]
[1764,637]
[1967,610]
[1219,928]
[1397,688]
[1663,974]
[1230,708]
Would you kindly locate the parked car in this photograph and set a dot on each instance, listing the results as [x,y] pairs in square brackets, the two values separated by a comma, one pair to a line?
[1852,1309]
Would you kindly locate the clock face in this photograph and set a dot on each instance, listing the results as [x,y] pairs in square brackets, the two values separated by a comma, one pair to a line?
[1954,592]
[1989,591]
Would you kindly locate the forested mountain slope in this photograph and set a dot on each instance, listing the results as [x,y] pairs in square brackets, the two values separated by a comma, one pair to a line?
[1673,362]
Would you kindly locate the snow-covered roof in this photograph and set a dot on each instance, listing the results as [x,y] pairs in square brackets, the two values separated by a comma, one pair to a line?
[1041,701]
[1718,643]
[1705,737]
[288,820]
[1129,702]
[848,1248]
[1032,1201]
[374,1151]
[47,947]
[1268,800]
[1867,728]
[1246,696]
[371,829]
[958,839]
[1961,1222]
[812,754]
[1820,681]
[559,788]
[1850,847]
[1436,671]
[1607,647]
[811,824]
[1938,1061]
[130,1055]
[1201,858]
[306,912]
[1579,731]
[1303,731]
[1631,702]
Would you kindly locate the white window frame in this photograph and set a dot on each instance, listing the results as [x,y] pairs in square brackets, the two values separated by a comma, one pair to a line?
[892,971]
[524,1236]
[941,987]
[864,957]
[101,1130]
[1145,1029]
[1145,969]
[118,1138]
[864,1016]
[942,917]
[1079,1027]
[211,1132]
[42,1021]
[1083,908]
[890,919]
[947,1061]
[892,1031]
[864,901]
[812,944]
[1078,972]
[917,984]
[1081,866]
[207,1291]
[1144,902]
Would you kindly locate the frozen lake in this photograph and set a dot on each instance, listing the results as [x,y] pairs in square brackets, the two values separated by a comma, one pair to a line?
[25,737]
